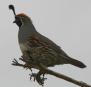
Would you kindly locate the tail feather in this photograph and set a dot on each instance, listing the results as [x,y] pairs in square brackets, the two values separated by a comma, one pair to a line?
[77,63]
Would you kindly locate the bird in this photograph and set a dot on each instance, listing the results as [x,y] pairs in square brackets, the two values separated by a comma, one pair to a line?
[40,48]
[37,48]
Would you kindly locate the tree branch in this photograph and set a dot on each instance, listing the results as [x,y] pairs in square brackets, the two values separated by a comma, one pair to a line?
[48,71]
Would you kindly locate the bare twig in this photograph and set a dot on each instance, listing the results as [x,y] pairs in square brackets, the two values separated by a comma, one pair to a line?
[48,71]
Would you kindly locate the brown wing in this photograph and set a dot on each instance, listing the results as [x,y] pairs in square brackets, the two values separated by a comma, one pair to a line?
[48,43]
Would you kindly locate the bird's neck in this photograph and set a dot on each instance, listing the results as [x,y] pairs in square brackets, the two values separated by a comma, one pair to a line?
[25,32]
[28,28]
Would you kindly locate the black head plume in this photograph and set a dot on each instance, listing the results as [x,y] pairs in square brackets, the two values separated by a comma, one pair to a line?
[17,19]
[11,7]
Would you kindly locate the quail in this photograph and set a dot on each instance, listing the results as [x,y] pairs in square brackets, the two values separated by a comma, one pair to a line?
[39,48]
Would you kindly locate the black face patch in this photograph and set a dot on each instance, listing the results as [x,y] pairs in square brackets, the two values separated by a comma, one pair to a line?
[18,21]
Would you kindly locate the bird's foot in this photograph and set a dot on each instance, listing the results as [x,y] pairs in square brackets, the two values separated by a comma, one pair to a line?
[16,63]
[33,76]
[39,77]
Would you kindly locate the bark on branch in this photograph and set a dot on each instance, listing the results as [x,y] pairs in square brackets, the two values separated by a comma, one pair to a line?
[62,76]
[48,71]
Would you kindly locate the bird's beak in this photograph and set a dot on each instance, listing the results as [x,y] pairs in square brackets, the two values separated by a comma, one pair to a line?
[14,21]
[17,21]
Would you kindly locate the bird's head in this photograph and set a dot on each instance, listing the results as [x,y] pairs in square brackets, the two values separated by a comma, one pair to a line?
[20,19]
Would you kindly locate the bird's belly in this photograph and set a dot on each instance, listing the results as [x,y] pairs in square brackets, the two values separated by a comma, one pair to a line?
[48,57]
[23,47]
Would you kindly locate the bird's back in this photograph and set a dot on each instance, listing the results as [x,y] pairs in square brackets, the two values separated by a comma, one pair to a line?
[52,45]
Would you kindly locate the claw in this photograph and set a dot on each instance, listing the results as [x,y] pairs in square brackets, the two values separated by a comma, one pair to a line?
[21,59]
[37,77]
[15,62]
[33,75]
[40,79]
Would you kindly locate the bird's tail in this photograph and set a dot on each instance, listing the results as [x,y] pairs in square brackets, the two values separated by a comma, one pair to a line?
[77,63]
